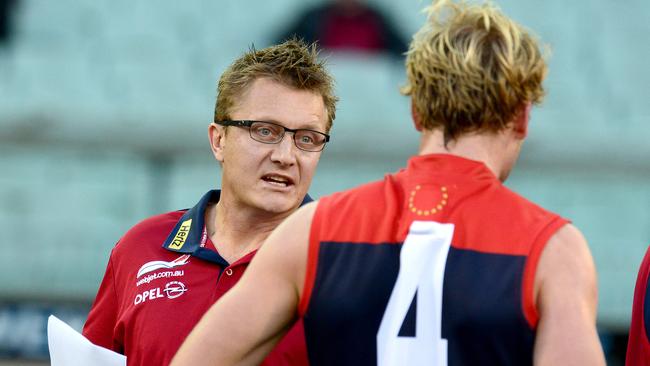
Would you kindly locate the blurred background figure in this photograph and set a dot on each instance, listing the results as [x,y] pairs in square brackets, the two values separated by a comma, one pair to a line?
[102,103]
[6,11]
[348,26]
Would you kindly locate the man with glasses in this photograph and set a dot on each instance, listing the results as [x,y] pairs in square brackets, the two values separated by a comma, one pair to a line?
[274,109]
[437,264]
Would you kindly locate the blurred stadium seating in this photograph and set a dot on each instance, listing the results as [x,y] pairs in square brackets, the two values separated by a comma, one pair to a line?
[104,107]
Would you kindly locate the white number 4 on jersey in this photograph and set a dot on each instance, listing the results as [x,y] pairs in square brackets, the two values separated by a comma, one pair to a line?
[422,270]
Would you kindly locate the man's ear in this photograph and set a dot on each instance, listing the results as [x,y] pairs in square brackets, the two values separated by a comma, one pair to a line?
[417,122]
[520,124]
[217,135]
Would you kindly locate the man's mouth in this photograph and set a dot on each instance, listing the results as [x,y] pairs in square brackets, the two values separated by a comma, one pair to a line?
[279,180]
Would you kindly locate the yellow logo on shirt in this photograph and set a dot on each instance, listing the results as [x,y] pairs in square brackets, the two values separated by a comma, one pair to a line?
[429,209]
[181,235]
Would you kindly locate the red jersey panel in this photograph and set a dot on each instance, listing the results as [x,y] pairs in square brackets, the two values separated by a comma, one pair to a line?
[356,266]
[638,344]
[162,276]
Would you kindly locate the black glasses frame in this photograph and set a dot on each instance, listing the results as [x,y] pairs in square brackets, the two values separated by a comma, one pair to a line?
[249,123]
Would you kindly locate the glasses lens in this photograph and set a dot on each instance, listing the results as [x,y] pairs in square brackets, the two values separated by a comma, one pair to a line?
[309,140]
[266,132]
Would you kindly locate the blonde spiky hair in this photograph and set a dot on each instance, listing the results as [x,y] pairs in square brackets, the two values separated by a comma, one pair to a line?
[470,68]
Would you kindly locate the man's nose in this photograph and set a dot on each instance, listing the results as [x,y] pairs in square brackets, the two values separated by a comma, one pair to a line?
[284,152]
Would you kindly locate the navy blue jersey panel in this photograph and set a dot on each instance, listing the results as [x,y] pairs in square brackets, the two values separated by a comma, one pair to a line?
[352,286]
[482,316]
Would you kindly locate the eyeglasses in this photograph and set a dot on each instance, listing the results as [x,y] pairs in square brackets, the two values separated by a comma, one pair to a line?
[273,133]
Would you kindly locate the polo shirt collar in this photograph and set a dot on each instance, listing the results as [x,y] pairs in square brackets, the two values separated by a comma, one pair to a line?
[187,235]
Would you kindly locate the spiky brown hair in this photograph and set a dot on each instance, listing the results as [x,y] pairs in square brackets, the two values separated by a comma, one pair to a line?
[292,63]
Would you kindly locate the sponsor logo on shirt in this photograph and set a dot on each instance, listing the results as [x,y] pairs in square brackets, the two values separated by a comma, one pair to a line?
[155,276]
[155,265]
[171,290]
[181,235]
[174,289]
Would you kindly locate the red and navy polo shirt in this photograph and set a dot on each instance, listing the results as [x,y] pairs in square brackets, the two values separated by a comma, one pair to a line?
[162,276]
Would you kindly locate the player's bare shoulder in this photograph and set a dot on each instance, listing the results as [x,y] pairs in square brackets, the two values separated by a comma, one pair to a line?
[296,226]
[566,264]
[567,297]
[287,247]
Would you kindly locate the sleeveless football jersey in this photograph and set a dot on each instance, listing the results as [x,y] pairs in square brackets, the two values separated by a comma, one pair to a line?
[638,344]
[434,265]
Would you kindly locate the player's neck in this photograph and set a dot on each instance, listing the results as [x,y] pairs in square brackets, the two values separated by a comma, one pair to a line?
[493,149]
[236,232]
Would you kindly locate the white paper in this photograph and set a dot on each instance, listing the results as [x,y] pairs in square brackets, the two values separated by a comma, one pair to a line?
[69,348]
